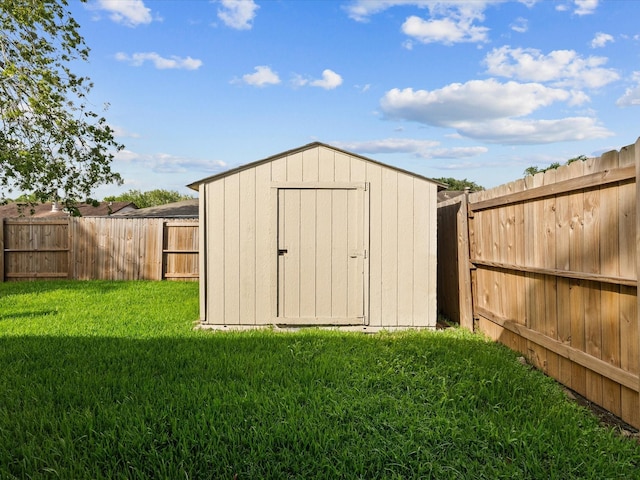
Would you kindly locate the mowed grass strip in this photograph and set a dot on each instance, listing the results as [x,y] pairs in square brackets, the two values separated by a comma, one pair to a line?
[110,380]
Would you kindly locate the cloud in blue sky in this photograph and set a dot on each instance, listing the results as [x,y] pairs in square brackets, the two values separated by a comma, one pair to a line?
[262,77]
[601,39]
[562,68]
[127,12]
[237,14]
[161,63]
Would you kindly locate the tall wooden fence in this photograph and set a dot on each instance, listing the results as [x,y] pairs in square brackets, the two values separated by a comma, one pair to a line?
[98,248]
[554,273]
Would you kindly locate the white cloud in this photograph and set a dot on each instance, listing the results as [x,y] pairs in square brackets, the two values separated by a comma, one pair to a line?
[127,12]
[476,100]
[238,14]
[121,132]
[520,25]
[585,7]
[601,39]
[421,148]
[161,63]
[447,31]
[361,10]
[489,110]
[262,77]
[329,80]
[167,163]
[509,131]
[631,97]
[560,67]
[449,21]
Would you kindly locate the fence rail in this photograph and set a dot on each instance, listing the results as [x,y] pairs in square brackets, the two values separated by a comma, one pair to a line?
[553,272]
[98,248]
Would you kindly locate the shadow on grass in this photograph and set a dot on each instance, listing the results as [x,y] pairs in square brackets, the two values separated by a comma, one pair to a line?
[311,404]
[48,286]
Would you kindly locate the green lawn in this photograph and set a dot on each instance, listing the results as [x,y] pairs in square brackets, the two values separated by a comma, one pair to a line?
[110,380]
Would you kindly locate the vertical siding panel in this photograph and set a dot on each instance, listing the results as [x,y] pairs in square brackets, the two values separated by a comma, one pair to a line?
[359,281]
[216,256]
[310,160]
[339,254]
[423,252]
[278,174]
[294,167]
[307,279]
[432,258]
[342,167]
[324,227]
[389,227]
[233,259]
[265,255]
[291,232]
[247,246]
[406,259]
[374,177]
[354,262]
[203,248]
[326,165]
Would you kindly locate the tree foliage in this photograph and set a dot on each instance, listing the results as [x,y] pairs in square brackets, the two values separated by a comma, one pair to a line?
[151,198]
[455,184]
[534,170]
[52,144]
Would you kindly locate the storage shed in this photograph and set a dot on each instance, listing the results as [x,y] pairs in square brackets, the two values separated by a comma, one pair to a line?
[318,236]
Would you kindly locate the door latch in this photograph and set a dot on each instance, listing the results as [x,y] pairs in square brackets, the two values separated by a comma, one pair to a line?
[282,251]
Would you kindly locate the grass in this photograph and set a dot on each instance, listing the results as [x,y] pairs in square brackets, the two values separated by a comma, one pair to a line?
[109,380]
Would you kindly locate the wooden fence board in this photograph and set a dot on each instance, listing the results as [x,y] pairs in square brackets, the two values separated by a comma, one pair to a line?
[107,248]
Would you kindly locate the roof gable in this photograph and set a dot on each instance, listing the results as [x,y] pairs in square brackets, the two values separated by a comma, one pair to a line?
[294,151]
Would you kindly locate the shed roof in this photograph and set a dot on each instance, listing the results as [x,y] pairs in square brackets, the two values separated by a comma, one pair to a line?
[182,209]
[309,146]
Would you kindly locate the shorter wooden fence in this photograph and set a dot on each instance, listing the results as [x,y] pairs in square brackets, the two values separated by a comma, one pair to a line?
[98,248]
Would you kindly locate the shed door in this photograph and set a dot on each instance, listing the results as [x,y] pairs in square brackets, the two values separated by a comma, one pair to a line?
[321,256]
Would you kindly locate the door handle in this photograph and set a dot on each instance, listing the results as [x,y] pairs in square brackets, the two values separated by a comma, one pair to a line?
[282,251]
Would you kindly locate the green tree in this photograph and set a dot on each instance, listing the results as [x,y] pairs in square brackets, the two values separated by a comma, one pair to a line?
[460,184]
[533,170]
[51,144]
[151,198]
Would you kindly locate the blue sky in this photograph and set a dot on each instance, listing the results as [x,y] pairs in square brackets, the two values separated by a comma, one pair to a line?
[466,89]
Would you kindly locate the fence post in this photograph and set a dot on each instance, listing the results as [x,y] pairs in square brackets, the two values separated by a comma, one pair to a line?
[637,158]
[464,264]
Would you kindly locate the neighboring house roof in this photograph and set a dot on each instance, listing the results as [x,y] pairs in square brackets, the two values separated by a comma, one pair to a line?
[50,210]
[195,185]
[182,209]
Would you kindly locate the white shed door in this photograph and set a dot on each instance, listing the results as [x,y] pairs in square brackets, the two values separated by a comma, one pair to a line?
[321,256]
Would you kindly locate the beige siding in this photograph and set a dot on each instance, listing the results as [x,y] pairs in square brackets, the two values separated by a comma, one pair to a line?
[393,220]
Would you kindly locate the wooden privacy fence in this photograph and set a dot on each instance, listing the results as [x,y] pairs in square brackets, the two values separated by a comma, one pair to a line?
[553,271]
[98,248]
